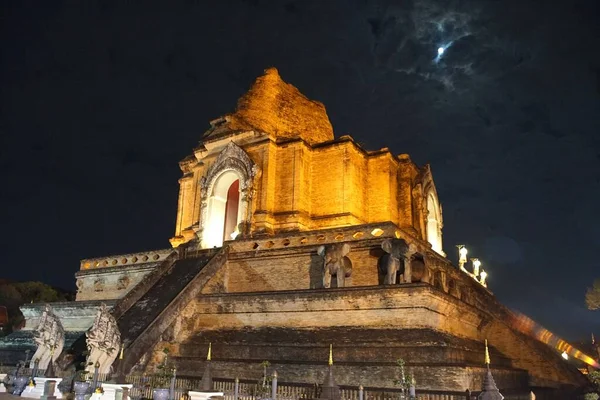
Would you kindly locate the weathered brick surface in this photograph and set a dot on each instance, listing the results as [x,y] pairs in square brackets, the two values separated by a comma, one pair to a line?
[276,107]
[267,304]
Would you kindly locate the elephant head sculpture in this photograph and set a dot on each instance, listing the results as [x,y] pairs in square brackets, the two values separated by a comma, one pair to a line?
[335,263]
[397,260]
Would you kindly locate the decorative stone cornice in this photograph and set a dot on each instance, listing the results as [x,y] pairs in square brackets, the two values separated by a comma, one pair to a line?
[125,259]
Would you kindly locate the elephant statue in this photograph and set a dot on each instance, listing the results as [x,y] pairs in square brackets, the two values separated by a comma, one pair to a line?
[397,260]
[335,263]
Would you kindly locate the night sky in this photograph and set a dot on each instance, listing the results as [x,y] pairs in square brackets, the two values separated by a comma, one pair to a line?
[100,102]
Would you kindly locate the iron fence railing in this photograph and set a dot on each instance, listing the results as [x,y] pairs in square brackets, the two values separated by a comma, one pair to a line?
[253,390]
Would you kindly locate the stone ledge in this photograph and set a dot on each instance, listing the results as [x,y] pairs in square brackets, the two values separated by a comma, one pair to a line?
[117,269]
[156,256]
[75,315]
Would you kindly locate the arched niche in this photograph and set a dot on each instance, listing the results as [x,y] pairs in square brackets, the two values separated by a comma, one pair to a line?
[223,210]
[226,193]
[434,222]
[432,212]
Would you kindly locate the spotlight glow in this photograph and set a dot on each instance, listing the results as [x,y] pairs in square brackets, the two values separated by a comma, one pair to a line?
[441,51]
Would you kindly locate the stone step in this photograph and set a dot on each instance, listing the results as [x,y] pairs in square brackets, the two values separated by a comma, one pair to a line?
[135,320]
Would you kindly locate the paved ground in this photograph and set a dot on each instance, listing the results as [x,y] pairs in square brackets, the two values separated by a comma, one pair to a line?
[6,396]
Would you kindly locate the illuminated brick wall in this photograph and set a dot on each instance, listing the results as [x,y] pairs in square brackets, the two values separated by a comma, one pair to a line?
[303,187]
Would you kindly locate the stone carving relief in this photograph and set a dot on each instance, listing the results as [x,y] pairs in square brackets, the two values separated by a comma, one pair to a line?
[123,282]
[98,285]
[49,337]
[231,158]
[335,263]
[103,341]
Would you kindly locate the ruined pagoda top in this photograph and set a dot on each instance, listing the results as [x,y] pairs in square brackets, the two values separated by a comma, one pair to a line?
[277,108]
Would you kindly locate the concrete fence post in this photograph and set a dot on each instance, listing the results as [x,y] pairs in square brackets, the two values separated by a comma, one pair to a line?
[236,388]
[172,385]
[274,386]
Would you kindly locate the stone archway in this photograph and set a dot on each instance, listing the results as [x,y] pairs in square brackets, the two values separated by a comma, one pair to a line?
[223,210]
[226,192]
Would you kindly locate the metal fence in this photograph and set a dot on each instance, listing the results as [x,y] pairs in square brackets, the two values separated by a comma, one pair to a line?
[251,389]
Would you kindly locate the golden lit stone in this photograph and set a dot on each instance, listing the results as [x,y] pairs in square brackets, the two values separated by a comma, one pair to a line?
[303,180]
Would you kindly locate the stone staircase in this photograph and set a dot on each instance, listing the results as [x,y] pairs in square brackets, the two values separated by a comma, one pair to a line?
[144,321]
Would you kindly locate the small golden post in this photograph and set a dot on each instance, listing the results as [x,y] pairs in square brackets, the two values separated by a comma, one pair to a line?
[330,354]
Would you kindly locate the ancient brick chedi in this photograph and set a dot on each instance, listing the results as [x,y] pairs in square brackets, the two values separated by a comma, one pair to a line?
[293,175]
[287,240]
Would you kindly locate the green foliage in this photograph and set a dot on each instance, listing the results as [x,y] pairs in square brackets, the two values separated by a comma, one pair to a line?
[263,387]
[404,380]
[164,372]
[594,377]
[592,296]
[15,294]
